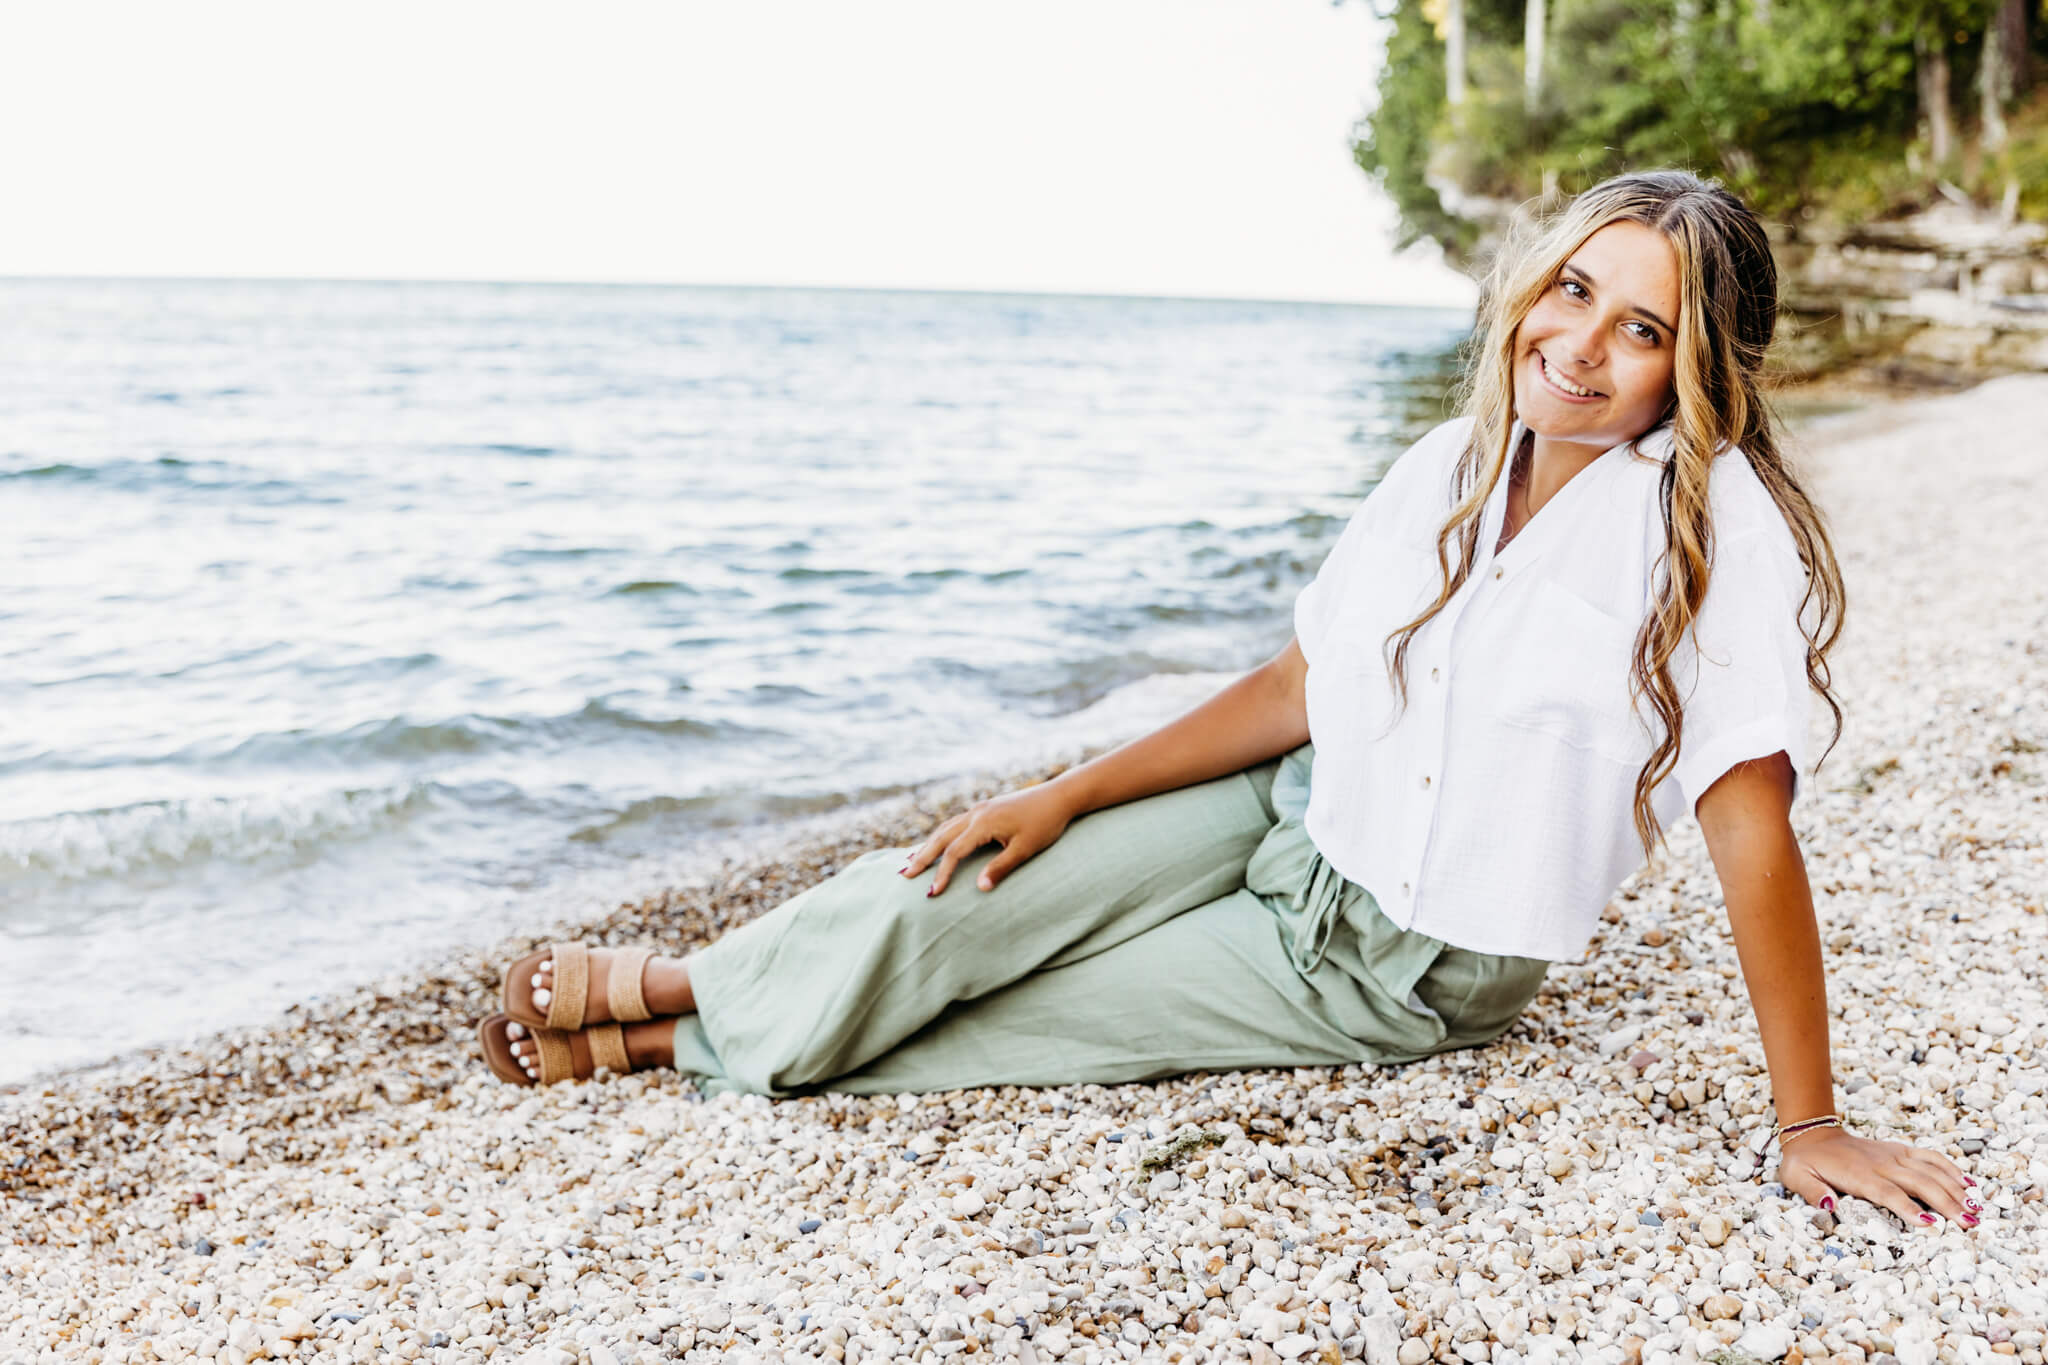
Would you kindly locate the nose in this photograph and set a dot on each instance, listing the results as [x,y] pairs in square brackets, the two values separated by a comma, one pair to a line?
[1585,343]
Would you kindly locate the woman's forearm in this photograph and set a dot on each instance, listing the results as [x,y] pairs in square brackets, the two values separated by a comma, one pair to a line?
[1257,717]
[1745,818]
[1771,912]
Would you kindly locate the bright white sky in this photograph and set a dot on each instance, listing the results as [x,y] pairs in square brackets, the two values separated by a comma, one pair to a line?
[1178,147]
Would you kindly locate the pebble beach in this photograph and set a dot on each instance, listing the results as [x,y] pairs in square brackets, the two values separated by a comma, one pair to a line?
[349,1183]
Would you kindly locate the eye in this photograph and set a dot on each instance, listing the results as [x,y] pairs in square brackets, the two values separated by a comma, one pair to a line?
[1648,333]
[1569,285]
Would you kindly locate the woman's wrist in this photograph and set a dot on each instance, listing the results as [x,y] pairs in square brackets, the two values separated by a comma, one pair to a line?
[1793,1132]
[1074,788]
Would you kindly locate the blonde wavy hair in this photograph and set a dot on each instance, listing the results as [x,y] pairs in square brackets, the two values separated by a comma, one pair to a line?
[1728,309]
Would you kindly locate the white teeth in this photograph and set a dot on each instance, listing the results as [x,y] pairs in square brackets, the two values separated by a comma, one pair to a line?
[1554,377]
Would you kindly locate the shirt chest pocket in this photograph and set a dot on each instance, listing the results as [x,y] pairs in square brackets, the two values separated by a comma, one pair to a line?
[1564,672]
[1391,584]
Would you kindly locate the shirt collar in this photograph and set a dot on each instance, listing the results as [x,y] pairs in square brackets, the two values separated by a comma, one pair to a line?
[1528,542]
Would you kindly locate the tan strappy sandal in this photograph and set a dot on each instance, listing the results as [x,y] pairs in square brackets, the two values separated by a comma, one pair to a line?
[570,1000]
[557,1060]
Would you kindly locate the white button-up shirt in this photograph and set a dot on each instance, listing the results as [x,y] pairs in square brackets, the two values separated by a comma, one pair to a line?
[1496,812]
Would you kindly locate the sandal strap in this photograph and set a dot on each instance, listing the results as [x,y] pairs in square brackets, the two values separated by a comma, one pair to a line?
[572,985]
[608,1047]
[557,1062]
[622,989]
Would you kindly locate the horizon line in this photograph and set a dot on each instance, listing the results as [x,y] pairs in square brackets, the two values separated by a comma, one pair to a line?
[984,291]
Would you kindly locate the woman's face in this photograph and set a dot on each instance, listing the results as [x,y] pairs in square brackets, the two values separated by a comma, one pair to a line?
[1594,357]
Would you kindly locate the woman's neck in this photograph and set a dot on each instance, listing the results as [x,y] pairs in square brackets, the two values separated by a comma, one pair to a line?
[1550,466]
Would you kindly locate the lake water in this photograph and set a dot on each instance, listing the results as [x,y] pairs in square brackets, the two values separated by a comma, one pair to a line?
[346,622]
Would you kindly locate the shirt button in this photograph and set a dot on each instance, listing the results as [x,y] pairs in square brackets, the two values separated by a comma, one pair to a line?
[1404,888]
[1496,573]
[1425,779]
[1432,675]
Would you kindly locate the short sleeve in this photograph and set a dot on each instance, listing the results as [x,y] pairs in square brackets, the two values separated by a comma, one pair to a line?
[1750,698]
[1316,604]
[1389,504]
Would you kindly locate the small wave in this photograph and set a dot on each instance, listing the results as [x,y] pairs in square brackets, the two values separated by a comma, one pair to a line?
[542,554]
[914,587]
[1314,525]
[643,586]
[1057,689]
[525,452]
[163,835]
[372,670]
[423,582]
[1274,567]
[728,809]
[399,738]
[783,692]
[603,713]
[798,575]
[173,473]
[51,471]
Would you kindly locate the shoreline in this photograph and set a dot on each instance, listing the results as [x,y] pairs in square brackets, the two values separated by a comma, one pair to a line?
[816,840]
[714,852]
[349,1183]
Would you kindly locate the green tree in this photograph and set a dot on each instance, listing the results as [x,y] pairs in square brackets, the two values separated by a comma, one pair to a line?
[1792,102]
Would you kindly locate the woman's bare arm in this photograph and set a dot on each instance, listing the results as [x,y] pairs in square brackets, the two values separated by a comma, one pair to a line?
[1258,716]
[1746,818]
[1261,715]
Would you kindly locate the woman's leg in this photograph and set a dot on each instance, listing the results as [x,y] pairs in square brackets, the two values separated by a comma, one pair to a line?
[1212,989]
[844,972]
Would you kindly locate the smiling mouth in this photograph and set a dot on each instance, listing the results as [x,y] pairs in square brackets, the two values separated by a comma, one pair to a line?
[1575,390]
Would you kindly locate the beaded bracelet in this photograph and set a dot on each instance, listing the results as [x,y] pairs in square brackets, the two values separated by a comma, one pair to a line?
[1790,1130]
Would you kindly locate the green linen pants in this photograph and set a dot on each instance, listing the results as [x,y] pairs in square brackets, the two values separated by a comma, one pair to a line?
[1195,930]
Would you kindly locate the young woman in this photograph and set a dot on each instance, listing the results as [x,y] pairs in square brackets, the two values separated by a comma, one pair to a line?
[1563,620]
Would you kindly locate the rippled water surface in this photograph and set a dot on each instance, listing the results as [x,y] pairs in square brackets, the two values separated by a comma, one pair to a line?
[345,621]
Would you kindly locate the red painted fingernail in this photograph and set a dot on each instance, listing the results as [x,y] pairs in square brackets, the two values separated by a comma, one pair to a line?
[1828,1203]
[1968,1181]
[1969,1220]
[933,890]
[1926,1217]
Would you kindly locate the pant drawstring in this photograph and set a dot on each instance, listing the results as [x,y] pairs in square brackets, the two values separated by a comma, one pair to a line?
[1320,894]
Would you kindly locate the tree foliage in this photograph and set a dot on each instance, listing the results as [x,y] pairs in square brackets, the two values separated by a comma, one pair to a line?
[1800,105]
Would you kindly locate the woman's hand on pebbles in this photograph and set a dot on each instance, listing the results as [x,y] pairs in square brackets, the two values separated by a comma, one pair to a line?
[1023,822]
[1822,1165]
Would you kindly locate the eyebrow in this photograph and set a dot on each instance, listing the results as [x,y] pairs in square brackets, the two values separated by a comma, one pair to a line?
[1633,308]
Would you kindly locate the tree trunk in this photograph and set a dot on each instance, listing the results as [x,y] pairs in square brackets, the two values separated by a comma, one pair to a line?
[1998,74]
[1533,34]
[1930,70]
[1685,23]
[1454,52]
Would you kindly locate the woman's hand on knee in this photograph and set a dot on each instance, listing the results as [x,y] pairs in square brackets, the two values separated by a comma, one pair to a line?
[1023,822]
